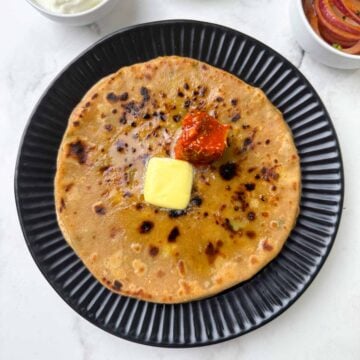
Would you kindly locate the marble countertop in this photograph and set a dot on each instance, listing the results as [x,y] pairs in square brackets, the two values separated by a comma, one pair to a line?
[35,323]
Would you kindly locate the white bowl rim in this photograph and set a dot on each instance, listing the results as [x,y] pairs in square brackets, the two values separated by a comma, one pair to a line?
[320,40]
[73,15]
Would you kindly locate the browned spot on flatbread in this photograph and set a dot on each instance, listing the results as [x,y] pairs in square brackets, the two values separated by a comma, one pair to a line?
[267,246]
[146,227]
[250,186]
[235,117]
[139,291]
[174,233]
[112,97]
[160,273]
[250,234]
[294,185]
[219,280]
[181,267]
[185,286]
[241,198]
[99,209]
[113,232]
[269,173]
[62,205]
[117,285]
[212,251]
[251,215]
[78,150]
[68,187]
[93,257]
[153,250]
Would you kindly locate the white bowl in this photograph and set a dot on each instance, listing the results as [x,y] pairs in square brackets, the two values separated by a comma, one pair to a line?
[315,45]
[77,19]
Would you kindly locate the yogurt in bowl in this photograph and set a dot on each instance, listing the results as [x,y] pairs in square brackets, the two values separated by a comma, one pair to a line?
[68,6]
[73,12]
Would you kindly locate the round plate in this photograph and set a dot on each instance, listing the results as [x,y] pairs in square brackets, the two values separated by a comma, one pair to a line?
[241,308]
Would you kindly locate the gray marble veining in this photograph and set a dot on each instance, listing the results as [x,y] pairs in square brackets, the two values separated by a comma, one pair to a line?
[36,324]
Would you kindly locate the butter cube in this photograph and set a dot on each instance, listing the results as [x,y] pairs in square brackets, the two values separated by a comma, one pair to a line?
[168,183]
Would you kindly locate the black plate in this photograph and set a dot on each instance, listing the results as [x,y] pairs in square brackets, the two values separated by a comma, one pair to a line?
[244,307]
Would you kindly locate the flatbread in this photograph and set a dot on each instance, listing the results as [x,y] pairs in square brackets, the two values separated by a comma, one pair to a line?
[243,206]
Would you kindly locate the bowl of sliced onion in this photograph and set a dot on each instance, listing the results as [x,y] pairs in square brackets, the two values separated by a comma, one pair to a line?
[329,30]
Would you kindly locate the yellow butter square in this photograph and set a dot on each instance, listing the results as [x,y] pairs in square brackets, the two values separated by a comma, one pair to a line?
[168,183]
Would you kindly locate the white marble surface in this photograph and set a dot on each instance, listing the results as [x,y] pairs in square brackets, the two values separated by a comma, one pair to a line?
[35,323]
